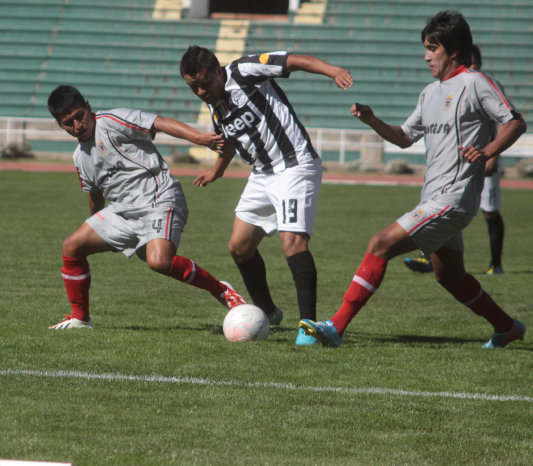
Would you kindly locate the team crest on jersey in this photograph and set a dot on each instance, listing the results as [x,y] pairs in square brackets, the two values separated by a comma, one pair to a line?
[263,58]
[101,146]
[448,103]
[238,97]
[416,215]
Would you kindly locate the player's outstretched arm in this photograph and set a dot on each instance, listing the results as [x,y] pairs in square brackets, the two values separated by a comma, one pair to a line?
[222,162]
[311,64]
[181,130]
[393,134]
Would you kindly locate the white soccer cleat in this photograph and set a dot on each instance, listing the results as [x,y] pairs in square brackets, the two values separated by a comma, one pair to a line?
[70,322]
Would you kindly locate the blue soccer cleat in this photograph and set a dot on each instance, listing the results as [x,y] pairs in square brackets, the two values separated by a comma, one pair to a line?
[420,264]
[302,339]
[276,317]
[325,332]
[499,340]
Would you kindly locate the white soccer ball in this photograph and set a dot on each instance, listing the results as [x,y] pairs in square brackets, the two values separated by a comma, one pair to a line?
[246,323]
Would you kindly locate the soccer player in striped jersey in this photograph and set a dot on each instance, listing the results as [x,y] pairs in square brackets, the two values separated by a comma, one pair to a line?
[253,113]
[117,161]
[455,115]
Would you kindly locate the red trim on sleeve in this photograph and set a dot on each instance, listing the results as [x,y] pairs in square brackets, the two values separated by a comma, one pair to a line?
[497,89]
[124,123]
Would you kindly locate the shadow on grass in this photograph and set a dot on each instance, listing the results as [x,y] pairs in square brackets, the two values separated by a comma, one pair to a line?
[215,329]
[348,340]
[416,340]
[423,339]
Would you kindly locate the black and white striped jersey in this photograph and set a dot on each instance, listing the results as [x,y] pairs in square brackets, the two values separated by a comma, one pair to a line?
[255,115]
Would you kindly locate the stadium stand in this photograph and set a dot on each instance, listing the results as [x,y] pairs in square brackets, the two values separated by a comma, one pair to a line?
[126,53]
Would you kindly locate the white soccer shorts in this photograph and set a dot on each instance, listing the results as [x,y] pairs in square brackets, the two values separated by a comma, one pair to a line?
[284,201]
[491,194]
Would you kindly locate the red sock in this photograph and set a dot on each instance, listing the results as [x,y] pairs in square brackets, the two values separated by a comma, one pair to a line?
[185,270]
[471,294]
[77,278]
[365,282]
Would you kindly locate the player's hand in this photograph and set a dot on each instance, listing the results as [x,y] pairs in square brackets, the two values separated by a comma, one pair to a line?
[471,154]
[363,112]
[343,79]
[204,178]
[212,140]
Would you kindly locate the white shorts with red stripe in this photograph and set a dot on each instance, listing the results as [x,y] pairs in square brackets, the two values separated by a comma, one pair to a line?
[432,225]
[127,231]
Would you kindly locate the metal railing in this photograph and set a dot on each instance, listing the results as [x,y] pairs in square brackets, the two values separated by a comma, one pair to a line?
[366,143]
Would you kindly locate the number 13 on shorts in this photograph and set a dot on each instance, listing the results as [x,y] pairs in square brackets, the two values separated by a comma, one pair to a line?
[290,210]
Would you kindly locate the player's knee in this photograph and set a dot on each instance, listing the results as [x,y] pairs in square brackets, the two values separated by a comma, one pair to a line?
[491,215]
[236,252]
[294,243]
[239,251]
[159,264]
[71,246]
[378,245]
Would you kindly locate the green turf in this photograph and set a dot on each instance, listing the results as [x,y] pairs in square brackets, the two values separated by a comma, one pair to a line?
[212,402]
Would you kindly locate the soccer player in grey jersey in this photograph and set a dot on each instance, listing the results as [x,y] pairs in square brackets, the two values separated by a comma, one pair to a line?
[117,161]
[250,109]
[490,201]
[455,115]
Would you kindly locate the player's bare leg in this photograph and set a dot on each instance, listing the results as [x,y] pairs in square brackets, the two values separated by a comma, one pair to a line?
[160,256]
[243,243]
[77,275]
[84,242]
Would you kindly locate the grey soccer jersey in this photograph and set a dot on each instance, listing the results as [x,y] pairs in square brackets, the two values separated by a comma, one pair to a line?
[256,117]
[459,111]
[123,162]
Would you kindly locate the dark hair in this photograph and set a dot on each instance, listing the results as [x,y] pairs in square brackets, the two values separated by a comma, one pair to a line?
[63,99]
[476,55]
[196,59]
[450,29]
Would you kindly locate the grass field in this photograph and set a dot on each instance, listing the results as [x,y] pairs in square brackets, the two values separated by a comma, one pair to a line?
[156,383]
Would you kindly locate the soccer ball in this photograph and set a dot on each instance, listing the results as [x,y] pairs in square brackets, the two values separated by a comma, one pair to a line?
[246,322]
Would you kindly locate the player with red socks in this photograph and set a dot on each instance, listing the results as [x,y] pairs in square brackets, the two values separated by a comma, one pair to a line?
[455,115]
[117,162]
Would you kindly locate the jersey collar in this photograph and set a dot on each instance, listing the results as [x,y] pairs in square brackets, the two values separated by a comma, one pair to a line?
[457,71]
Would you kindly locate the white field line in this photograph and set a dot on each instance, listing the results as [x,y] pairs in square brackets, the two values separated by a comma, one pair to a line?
[276,385]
